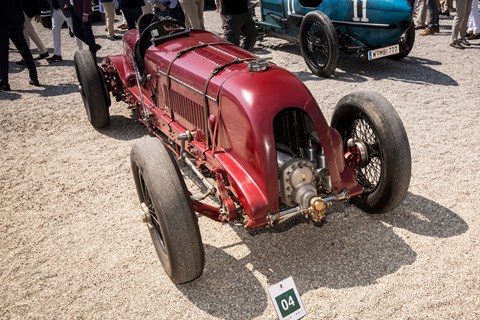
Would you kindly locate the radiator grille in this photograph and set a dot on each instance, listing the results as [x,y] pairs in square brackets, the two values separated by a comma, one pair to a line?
[213,56]
[187,112]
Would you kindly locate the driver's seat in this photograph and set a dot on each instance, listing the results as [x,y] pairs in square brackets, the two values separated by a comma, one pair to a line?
[157,29]
[144,40]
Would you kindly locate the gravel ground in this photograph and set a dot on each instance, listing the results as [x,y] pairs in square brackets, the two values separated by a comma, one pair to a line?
[72,244]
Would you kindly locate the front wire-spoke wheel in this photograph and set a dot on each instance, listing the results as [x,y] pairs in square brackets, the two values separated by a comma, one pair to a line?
[370,120]
[368,175]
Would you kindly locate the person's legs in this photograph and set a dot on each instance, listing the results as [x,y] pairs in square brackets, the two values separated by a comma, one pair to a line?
[109,17]
[231,28]
[474,20]
[191,14]
[87,29]
[26,28]
[29,32]
[77,27]
[433,13]
[433,26]
[83,30]
[457,20]
[200,7]
[57,21]
[123,25]
[16,35]
[248,30]
[70,26]
[132,15]
[34,36]
[4,59]
[463,23]
[421,13]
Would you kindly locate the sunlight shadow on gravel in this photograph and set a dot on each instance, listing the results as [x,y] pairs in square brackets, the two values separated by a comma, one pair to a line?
[123,128]
[227,289]
[425,217]
[353,249]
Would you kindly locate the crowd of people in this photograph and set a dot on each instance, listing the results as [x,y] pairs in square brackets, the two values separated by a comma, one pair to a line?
[236,15]
[16,25]
[465,25]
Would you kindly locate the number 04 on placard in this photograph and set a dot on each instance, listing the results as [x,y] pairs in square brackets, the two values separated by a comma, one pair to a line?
[286,300]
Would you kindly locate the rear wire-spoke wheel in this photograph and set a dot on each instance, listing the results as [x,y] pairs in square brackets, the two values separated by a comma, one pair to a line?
[370,120]
[152,214]
[172,223]
[319,44]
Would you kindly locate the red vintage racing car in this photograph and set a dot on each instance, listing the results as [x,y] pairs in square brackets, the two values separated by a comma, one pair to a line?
[250,133]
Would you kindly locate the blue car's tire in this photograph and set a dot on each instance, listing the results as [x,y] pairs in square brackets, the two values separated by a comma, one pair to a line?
[319,44]
[369,118]
[409,40]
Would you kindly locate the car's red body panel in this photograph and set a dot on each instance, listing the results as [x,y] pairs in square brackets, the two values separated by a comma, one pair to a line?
[200,83]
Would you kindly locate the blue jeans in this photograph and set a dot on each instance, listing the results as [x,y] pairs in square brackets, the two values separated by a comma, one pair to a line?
[432,9]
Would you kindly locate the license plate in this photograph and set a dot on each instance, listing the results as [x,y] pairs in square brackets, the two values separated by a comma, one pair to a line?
[383,52]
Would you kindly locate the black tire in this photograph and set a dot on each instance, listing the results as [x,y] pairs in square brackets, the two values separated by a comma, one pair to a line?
[92,88]
[369,117]
[409,41]
[173,224]
[319,44]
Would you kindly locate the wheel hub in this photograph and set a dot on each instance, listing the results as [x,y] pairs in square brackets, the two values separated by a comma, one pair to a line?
[357,153]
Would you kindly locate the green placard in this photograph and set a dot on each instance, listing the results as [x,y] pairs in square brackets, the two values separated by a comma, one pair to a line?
[287,303]
[286,300]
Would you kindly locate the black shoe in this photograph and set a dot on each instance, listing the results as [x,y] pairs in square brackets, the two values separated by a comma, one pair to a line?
[464,42]
[34,83]
[20,63]
[473,36]
[54,58]
[5,87]
[41,56]
[455,44]
[114,37]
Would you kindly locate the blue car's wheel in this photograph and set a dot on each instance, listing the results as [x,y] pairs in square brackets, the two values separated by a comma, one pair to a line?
[408,39]
[319,44]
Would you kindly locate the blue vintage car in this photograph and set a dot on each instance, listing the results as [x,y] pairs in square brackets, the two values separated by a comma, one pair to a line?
[372,29]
